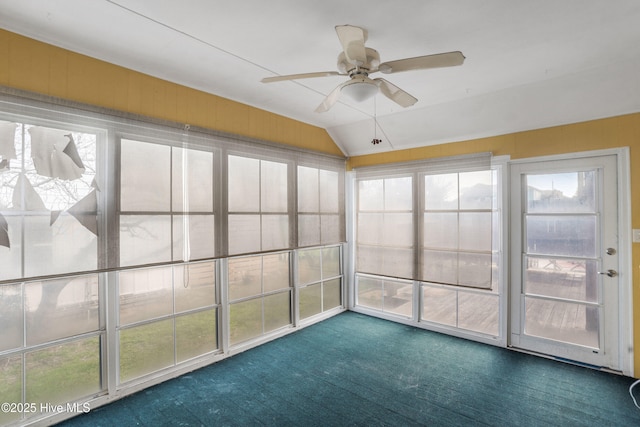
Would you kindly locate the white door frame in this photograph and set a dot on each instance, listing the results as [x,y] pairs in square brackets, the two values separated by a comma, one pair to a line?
[625,299]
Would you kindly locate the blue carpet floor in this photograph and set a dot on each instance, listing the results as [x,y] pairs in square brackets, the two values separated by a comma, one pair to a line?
[355,370]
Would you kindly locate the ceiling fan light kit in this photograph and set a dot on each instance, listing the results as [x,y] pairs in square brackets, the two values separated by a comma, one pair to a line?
[358,61]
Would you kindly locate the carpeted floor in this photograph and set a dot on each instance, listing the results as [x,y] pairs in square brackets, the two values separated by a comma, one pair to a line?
[355,370]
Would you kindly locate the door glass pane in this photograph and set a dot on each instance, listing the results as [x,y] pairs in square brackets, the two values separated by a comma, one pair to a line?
[573,279]
[562,321]
[561,192]
[569,235]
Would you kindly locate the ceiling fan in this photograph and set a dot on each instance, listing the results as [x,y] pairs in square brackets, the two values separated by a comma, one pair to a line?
[358,61]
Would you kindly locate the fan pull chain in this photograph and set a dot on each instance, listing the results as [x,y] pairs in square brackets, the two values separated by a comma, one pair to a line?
[375,140]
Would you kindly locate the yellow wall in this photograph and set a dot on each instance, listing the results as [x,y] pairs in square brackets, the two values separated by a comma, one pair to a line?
[38,67]
[622,131]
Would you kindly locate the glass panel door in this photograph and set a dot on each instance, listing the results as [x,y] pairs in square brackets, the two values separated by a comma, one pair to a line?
[564,219]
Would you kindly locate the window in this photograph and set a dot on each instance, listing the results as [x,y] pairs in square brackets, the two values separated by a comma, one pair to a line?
[319,206]
[259,295]
[319,280]
[431,226]
[166,315]
[166,203]
[48,200]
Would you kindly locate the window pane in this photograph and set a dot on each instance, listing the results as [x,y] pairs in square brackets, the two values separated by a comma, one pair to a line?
[11,317]
[61,308]
[562,321]
[196,334]
[145,349]
[10,386]
[331,229]
[476,190]
[441,192]
[474,270]
[441,230]
[145,176]
[310,300]
[398,298]
[277,311]
[392,262]
[309,266]
[330,262]
[198,232]
[329,191]
[145,239]
[11,257]
[398,194]
[478,312]
[370,195]
[192,181]
[195,286]
[439,305]
[61,247]
[561,192]
[245,277]
[145,294]
[440,267]
[369,292]
[63,373]
[567,235]
[245,320]
[308,230]
[397,229]
[273,186]
[244,184]
[370,226]
[275,232]
[475,231]
[561,278]
[308,190]
[244,233]
[275,271]
[331,294]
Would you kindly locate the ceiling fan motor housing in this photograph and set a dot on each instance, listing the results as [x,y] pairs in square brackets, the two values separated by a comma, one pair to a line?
[371,66]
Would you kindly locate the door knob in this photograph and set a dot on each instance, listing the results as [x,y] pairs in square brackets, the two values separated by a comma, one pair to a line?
[610,273]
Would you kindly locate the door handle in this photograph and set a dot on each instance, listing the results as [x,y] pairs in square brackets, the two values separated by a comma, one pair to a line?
[610,273]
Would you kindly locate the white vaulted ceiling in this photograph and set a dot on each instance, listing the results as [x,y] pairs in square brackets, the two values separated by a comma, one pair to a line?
[529,64]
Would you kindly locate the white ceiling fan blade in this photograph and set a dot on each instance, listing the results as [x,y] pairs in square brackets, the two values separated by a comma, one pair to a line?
[395,94]
[352,40]
[331,99]
[449,59]
[300,76]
